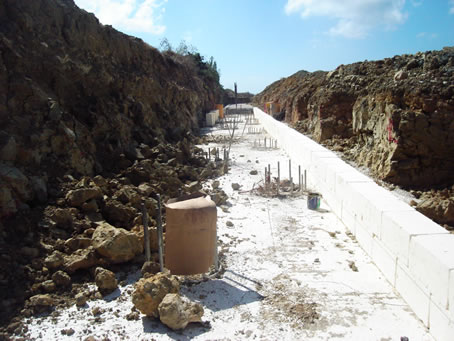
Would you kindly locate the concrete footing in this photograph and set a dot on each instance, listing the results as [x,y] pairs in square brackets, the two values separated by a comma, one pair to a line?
[415,254]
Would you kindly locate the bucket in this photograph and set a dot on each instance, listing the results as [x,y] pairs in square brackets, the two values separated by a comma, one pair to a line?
[313,201]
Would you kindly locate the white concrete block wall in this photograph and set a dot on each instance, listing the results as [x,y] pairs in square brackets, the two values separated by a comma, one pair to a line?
[211,118]
[414,254]
[431,259]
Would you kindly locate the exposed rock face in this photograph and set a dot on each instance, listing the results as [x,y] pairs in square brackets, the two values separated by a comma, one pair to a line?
[396,115]
[176,311]
[80,97]
[149,292]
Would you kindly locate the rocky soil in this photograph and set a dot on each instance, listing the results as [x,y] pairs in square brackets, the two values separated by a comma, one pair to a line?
[394,116]
[92,123]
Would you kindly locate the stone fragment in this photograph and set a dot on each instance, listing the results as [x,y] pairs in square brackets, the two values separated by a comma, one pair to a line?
[105,280]
[77,242]
[253,172]
[41,301]
[48,286]
[400,75]
[235,186]
[63,217]
[78,196]
[176,311]
[55,260]
[117,245]
[81,259]
[17,181]
[90,206]
[118,213]
[150,268]
[61,278]
[149,292]
[81,299]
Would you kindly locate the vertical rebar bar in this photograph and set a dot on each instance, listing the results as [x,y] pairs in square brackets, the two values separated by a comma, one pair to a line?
[299,178]
[278,176]
[146,232]
[160,234]
[269,174]
[289,169]
[305,180]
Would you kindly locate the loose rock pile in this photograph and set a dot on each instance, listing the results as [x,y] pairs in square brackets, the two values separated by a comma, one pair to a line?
[92,225]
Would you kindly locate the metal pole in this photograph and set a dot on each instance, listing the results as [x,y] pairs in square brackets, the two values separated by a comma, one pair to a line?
[269,174]
[160,234]
[289,169]
[266,176]
[278,176]
[146,232]
[305,180]
[299,178]
[265,142]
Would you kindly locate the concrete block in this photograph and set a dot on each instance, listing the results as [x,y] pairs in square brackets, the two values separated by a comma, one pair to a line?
[385,260]
[441,325]
[331,167]
[412,292]
[211,119]
[344,179]
[363,237]
[375,201]
[348,218]
[431,260]
[333,202]
[399,227]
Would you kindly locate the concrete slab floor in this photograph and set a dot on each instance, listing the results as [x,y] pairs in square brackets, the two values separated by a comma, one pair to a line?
[290,274]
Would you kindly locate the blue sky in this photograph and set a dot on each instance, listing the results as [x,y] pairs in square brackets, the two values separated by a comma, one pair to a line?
[256,42]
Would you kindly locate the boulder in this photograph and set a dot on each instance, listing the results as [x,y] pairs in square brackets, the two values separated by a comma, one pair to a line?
[105,280]
[153,233]
[77,242]
[17,181]
[48,286]
[7,203]
[55,260]
[81,299]
[149,292]
[41,302]
[440,211]
[61,278]
[81,259]
[62,217]
[117,213]
[77,197]
[117,245]
[176,311]
[8,147]
[150,268]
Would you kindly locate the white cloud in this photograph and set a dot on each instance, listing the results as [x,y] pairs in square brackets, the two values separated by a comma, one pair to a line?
[128,15]
[355,18]
[451,10]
